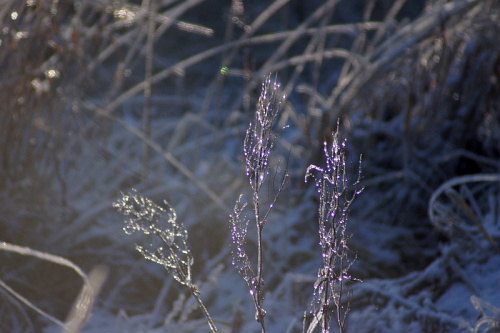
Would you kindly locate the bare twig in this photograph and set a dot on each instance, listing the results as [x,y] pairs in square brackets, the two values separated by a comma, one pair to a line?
[84,301]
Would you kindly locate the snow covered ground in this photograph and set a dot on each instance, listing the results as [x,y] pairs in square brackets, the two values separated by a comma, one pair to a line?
[418,100]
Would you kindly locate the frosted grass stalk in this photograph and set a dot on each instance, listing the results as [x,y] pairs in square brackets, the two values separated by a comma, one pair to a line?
[257,147]
[336,196]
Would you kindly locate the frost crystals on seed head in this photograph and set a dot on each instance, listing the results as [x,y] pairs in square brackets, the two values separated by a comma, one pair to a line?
[167,244]
[260,138]
[239,225]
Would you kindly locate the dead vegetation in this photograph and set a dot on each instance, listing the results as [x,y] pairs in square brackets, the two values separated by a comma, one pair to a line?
[101,96]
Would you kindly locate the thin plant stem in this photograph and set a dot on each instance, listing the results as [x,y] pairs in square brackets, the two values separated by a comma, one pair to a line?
[203,308]
[257,147]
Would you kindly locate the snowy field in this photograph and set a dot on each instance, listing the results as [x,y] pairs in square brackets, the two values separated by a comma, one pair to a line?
[111,108]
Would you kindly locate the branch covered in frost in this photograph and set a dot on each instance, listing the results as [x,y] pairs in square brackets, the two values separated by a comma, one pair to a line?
[239,227]
[147,217]
[260,138]
[336,197]
[489,316]
[257,147]
[172,251]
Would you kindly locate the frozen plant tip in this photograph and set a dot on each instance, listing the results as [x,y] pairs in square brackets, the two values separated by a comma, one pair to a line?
[259,139]
[257,147]
[171,249]
[336,197]
[151,219]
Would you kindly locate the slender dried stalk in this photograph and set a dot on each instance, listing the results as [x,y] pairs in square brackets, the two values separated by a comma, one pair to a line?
[146,114]
[336,197]
[258,144]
